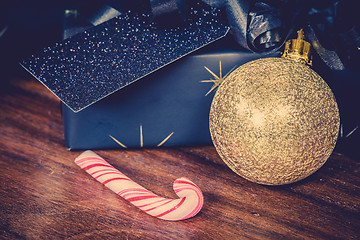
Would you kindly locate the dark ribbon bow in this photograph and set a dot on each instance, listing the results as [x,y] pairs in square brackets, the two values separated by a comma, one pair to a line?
[263,26]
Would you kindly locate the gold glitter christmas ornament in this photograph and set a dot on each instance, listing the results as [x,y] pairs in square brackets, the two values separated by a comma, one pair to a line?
[274,121]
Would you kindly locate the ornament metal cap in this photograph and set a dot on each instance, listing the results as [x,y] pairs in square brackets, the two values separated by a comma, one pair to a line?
[298,49]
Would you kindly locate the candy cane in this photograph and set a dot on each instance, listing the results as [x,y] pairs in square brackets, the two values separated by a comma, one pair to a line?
[188,205]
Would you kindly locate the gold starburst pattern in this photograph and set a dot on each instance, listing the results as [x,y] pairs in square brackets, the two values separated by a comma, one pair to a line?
[141,139]
[218,79]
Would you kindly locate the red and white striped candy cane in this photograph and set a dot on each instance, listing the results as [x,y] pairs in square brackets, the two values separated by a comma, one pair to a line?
[188,205]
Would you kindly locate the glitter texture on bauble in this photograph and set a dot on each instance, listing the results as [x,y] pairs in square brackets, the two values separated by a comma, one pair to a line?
[274,121]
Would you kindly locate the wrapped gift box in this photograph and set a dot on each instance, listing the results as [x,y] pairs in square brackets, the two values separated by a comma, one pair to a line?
[169,107]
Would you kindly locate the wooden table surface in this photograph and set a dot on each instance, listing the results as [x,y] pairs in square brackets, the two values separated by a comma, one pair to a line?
[44,195]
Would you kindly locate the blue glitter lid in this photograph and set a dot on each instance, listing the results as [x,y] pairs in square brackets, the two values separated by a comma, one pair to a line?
[89,66]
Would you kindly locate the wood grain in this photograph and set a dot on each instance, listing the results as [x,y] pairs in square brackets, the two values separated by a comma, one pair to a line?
[44,195]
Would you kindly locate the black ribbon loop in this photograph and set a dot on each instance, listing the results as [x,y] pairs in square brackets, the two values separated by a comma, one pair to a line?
[265,29]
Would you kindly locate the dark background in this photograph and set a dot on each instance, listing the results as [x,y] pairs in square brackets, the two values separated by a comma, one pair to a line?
[31,26]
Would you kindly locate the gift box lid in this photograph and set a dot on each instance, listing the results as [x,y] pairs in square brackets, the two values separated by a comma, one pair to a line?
[91,65]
